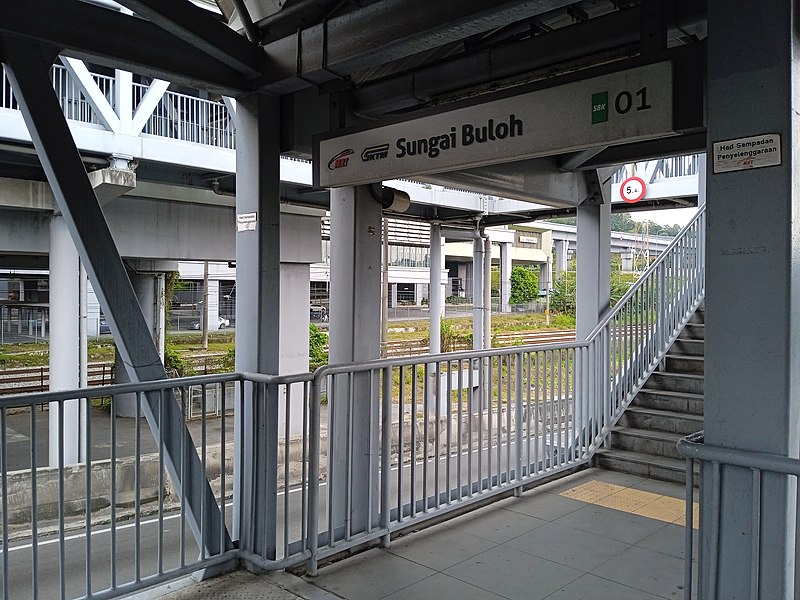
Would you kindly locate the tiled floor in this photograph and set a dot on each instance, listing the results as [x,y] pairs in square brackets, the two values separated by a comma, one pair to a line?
[596,535]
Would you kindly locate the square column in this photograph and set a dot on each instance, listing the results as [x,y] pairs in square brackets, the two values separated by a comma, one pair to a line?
[505,277]
[354,337]
[64,340]
[593,278]
[435,297]
[752,379]
[562,256]
[258,301]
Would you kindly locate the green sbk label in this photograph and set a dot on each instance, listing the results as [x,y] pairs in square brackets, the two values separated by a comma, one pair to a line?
[599,107]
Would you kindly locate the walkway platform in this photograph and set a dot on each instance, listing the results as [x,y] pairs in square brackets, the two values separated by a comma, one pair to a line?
[596,535]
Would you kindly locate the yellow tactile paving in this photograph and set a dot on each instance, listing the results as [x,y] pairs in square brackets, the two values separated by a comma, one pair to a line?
[592,491]
[695,519]
[627,500]
[663,508]
[630,500]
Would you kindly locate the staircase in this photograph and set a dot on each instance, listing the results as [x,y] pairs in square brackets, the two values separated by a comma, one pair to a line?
[668,407]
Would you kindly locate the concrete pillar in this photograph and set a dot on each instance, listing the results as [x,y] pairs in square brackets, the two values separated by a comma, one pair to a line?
[487,292]
[419,294]
[295,299]
[258,304]
[562,256]
[435,303]
[544,276]
[505,277]
[354,331]
[752,383]
[213,304]
[150,296]
[393,294]
[627,262]
[64,341]
[593,278]
[477,294]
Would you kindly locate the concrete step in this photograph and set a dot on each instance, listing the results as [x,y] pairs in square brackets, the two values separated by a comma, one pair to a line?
[675,382]
[682,363]
[636,417]
[699,316]
[693,331]
[688,347]
[654,443]
[681,402]
[653,467]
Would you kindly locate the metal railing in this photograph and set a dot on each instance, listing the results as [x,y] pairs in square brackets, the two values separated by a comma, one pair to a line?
[637,332]
[720,462]
[117,518]
[363,450]
[177,116]
[73,104]
[674,166]
[189,119]
[419,437]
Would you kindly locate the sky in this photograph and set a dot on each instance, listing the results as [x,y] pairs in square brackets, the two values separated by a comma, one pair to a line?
[670,216]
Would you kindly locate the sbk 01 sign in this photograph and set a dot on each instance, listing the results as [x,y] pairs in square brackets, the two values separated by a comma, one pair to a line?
[621,107]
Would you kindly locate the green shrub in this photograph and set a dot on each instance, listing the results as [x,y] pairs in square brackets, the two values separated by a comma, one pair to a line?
[175,362]
[317,340]
[524,285]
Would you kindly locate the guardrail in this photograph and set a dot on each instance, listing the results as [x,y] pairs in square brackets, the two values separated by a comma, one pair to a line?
[363,450]
[131,512]
[189,119]
[177,116]
[26,380]
[634,336]
[718,461]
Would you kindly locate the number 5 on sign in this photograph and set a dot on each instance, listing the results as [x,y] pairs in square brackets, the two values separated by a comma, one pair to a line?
[632,189]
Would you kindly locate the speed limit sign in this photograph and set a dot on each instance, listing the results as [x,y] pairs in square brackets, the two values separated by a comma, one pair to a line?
[632,189]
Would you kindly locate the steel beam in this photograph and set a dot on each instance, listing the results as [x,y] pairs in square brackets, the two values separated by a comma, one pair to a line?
[27,66]
[198,27]
[385,31]
[119,41]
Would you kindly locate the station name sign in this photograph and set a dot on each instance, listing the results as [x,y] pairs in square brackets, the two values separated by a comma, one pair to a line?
[621,107]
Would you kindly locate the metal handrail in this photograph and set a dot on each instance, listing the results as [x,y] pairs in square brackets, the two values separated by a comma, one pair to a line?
[696,451]
[660,260]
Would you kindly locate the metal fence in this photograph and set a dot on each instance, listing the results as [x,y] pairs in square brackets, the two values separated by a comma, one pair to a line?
[177,116]
[73,104]
[361,451]
[189,119]
[635,335]
[130,511]
[721,462]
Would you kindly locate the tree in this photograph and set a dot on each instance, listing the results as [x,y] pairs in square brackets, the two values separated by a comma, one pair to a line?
[524,285]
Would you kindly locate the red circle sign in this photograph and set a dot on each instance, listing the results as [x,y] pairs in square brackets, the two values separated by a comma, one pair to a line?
[633,189]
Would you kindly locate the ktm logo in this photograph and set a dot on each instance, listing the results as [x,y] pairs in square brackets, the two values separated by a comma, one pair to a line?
[375,153]
[340,160]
